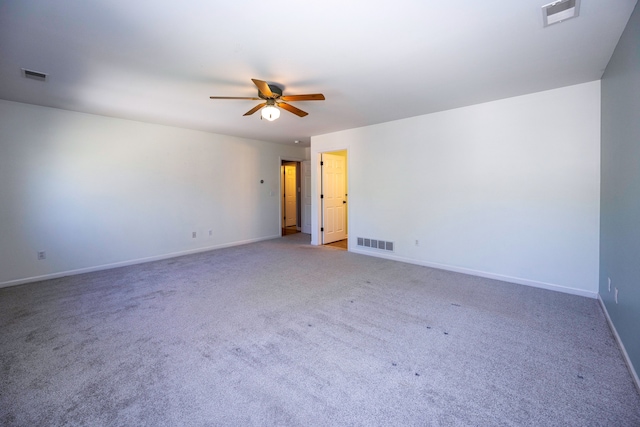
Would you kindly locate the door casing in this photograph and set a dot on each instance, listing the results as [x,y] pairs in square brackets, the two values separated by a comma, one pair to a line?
[299,190]
[333,197]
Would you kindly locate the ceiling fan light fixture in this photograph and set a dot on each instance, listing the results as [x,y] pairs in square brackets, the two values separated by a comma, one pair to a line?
[270,113]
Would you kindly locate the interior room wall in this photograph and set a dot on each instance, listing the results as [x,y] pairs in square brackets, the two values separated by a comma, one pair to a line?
[620,201]
[94,192]
[506,189]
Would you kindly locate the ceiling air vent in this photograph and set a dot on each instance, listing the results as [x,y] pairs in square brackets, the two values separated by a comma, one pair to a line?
[558,11]
[36,75]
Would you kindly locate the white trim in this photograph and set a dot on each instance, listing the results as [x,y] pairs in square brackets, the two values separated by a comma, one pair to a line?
[625,355]
[280,184]
[316,189]
[472,272]
[304,166]
[129,262]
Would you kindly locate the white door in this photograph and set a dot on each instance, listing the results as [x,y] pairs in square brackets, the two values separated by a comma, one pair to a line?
[306,197]
[333,198]
[290,211]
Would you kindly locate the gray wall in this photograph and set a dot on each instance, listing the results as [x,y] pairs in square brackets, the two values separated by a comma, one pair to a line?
[620,188]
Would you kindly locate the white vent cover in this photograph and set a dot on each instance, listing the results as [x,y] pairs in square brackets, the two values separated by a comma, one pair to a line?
[375,244]
[559,11]
[36,75]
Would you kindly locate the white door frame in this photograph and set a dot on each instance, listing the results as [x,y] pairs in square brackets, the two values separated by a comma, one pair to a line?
[316,189]
[334,197]
[290,217]
[305,196]
[281,182]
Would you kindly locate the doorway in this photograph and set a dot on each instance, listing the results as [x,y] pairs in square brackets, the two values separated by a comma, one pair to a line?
[290,191]
[333,198]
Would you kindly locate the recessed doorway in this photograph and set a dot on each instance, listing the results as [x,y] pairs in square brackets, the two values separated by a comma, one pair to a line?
[291,197]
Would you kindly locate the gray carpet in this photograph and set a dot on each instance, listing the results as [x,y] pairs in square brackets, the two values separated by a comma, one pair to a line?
[283,333]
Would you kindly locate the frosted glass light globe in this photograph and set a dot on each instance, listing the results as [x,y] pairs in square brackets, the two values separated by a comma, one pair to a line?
[270,113]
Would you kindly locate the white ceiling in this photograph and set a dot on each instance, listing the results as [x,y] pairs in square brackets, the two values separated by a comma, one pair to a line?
[375,61]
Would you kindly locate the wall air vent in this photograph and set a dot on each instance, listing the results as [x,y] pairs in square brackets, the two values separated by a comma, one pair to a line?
[558,11]
[375,244]
[36,75]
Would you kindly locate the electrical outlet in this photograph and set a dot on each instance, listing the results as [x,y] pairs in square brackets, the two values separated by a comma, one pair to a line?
[210,232]
[417,242]
[609,280]
[193,235]
[616,294]
[42,255]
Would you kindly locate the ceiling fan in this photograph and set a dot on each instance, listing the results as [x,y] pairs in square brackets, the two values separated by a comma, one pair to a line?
[272,95]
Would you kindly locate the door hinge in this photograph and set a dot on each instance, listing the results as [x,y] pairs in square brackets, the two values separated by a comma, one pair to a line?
[321,163]
[322,196]
[322,229]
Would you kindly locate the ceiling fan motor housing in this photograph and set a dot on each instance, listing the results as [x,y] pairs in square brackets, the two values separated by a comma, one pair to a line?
[275,89]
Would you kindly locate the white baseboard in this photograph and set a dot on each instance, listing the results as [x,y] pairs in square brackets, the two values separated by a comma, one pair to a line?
[510,279]
[627,360]
[129,262]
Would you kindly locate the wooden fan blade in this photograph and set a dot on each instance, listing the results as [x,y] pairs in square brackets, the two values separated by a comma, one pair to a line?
[310,97]
[254,109]
[234,97]
[290,108]
[263,87]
